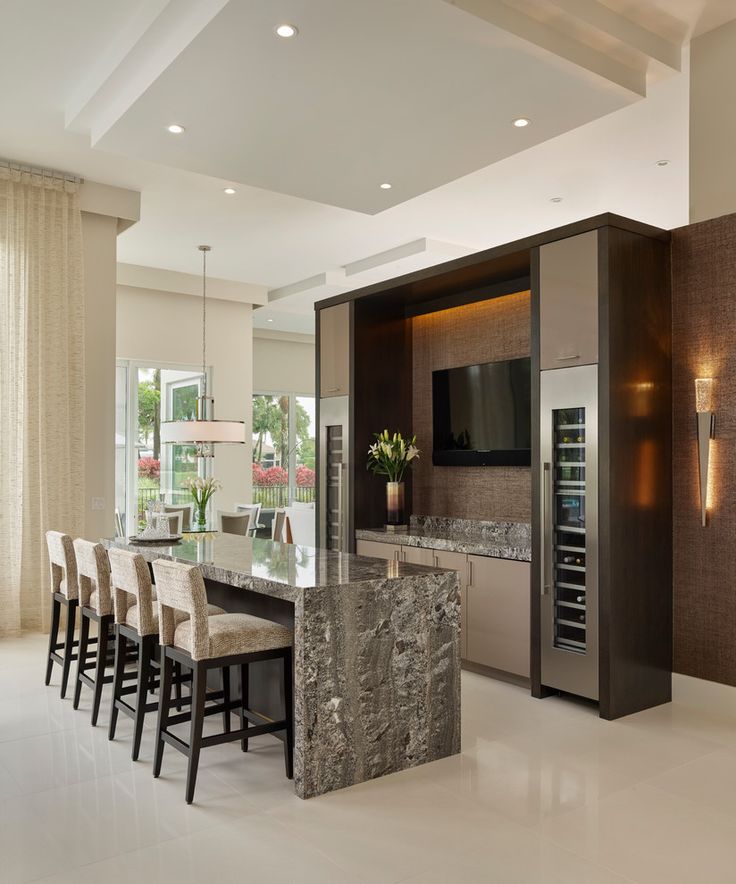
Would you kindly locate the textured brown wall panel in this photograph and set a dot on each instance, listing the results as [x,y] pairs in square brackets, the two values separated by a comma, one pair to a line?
[483,332]
[704,345]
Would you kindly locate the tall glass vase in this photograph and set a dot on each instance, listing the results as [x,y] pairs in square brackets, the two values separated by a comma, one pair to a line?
[200,516]
[394,505]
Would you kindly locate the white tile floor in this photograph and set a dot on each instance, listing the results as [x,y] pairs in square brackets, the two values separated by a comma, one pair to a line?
[543,792]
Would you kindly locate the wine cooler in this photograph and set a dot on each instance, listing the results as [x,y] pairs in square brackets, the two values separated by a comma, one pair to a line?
[569,520]
[334,490]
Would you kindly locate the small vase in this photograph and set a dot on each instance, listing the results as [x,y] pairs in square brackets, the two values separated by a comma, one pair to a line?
[394,505]
[200,516]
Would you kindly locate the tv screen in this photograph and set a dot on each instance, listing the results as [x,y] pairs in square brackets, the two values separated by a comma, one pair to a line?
[482,414]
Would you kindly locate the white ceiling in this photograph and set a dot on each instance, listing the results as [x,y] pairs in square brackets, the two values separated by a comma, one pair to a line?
[120,71]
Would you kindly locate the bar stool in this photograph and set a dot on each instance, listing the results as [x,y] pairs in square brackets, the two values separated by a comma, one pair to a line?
[136,621]
[95,605]
[64,591]
[202,643]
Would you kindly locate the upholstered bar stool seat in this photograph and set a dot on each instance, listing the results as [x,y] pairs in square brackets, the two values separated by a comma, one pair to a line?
[235,634]
[204,642]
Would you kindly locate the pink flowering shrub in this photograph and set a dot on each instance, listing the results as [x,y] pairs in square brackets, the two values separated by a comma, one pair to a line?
[149,467]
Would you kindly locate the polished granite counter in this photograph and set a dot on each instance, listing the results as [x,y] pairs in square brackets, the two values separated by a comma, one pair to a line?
[501,540]
[376,650]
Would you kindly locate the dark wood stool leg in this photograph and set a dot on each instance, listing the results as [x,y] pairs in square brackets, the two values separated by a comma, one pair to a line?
[81,657]
[101,663]
[199,687]
[177,685]
[289,716]
[164,698]
[121,649]
[141,696]
[71,616]
[226,698]
[53,635]
[244,700]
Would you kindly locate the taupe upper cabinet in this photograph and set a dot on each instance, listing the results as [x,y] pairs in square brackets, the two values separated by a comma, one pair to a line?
[568,307]
[334,351]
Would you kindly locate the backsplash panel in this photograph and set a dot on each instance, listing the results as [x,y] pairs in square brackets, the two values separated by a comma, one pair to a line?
[486,331]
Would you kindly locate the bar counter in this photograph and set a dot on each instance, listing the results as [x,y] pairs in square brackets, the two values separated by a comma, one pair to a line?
[376,650]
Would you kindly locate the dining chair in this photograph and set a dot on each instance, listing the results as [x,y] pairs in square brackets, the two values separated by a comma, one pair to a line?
[278,525]
[186,515]
[175,521]
[300,525]
[255,511]
[234,523]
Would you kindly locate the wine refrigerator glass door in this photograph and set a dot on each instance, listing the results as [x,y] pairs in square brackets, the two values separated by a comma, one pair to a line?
[569,520]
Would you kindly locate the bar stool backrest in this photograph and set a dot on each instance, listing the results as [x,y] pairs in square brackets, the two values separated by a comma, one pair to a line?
[63,562]
[181,587]
[131,585]
[93,569]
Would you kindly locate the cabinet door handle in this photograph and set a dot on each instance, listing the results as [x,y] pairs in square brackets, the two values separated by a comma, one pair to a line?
[547,530]
[470,572]
[567,358]
[332,389]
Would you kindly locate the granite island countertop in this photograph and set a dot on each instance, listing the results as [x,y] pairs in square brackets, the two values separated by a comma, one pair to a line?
[501,540]
[283,570]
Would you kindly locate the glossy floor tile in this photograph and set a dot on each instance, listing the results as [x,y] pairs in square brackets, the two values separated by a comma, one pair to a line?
[543,792]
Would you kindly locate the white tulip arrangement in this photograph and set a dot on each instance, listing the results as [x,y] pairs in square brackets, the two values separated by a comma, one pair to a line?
[391,455]
[201,491]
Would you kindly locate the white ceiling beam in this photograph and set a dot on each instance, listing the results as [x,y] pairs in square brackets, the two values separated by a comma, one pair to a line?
[162,280]
[503,16]
[141,53]
[425,252]
[322,285]
[604,19]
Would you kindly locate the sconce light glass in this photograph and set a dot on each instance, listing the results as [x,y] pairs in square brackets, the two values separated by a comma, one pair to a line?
[706,428]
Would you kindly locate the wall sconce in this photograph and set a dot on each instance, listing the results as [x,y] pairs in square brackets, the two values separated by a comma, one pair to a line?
[706,419]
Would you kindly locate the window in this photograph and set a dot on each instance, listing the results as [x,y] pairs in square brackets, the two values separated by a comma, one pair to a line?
[283,449]
[144,468]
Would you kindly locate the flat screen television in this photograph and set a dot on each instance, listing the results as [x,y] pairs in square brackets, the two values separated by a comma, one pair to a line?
[482,414]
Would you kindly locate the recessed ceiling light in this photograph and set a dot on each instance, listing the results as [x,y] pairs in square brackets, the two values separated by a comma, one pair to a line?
[269,320]
[556,199]
[385,186]
[521,122]
[175,129]
[287,30]
[663,162]
[229,190]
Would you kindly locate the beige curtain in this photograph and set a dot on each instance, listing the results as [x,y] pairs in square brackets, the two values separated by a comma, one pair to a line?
[41,386]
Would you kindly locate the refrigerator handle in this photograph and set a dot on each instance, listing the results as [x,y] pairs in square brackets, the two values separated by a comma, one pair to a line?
[340,529]
[547,531]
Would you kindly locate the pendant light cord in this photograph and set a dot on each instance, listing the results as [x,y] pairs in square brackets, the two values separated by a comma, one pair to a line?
[203,399]
[204,320]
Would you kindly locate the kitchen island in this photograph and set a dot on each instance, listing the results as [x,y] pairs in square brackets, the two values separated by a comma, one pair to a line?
[376,650]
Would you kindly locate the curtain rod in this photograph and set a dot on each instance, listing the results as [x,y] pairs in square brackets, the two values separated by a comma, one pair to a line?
[37,170]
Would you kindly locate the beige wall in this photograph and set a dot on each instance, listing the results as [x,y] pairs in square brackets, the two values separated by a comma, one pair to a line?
[162,327]
[283,363]
[100,250]
[713,123]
